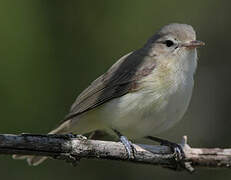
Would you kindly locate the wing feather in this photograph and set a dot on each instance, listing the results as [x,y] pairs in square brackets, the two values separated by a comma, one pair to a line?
[120,79]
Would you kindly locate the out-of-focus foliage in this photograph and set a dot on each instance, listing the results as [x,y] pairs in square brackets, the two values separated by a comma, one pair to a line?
[51,50]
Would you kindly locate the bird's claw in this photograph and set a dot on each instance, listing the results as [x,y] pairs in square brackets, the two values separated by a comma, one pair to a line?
[131,150]
[178,153]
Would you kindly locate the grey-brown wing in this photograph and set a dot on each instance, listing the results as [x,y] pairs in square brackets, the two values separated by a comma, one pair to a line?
[120,79]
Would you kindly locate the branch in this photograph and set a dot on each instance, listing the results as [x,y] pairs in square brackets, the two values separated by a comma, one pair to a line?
[73,148]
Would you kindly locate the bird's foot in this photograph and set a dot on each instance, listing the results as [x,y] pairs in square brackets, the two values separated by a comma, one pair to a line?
[130,149]
[177,150]
[178,154]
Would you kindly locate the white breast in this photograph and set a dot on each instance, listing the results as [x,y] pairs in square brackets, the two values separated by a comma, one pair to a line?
[157,106]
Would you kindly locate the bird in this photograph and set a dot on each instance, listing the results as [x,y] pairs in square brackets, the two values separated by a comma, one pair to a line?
[145,92]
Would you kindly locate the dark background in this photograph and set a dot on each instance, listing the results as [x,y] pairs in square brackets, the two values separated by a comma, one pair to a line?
[51,50]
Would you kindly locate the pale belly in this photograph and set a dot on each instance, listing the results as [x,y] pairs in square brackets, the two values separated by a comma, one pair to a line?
[141,113]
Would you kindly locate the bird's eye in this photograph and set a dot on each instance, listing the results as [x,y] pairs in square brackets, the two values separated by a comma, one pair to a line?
[169,43]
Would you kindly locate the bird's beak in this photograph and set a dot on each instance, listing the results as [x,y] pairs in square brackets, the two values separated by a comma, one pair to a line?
[193,44]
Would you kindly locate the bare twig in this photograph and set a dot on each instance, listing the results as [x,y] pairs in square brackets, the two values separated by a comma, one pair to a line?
[73,148]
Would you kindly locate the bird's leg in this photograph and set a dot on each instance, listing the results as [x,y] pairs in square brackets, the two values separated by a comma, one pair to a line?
[127,144]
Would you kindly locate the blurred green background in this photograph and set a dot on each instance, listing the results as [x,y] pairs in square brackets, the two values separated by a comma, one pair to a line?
[51,50]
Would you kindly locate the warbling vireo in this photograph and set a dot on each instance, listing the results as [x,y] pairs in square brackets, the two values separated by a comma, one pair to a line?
[145,92]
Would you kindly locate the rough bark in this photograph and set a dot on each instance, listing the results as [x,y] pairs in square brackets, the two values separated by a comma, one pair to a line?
[73,148]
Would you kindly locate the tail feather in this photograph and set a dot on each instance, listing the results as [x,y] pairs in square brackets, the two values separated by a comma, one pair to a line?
[36,160]
[31,160]
[66,127]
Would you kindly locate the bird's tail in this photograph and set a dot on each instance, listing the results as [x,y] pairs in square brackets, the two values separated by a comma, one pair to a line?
[69,126]
[31,160]
[36,160]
